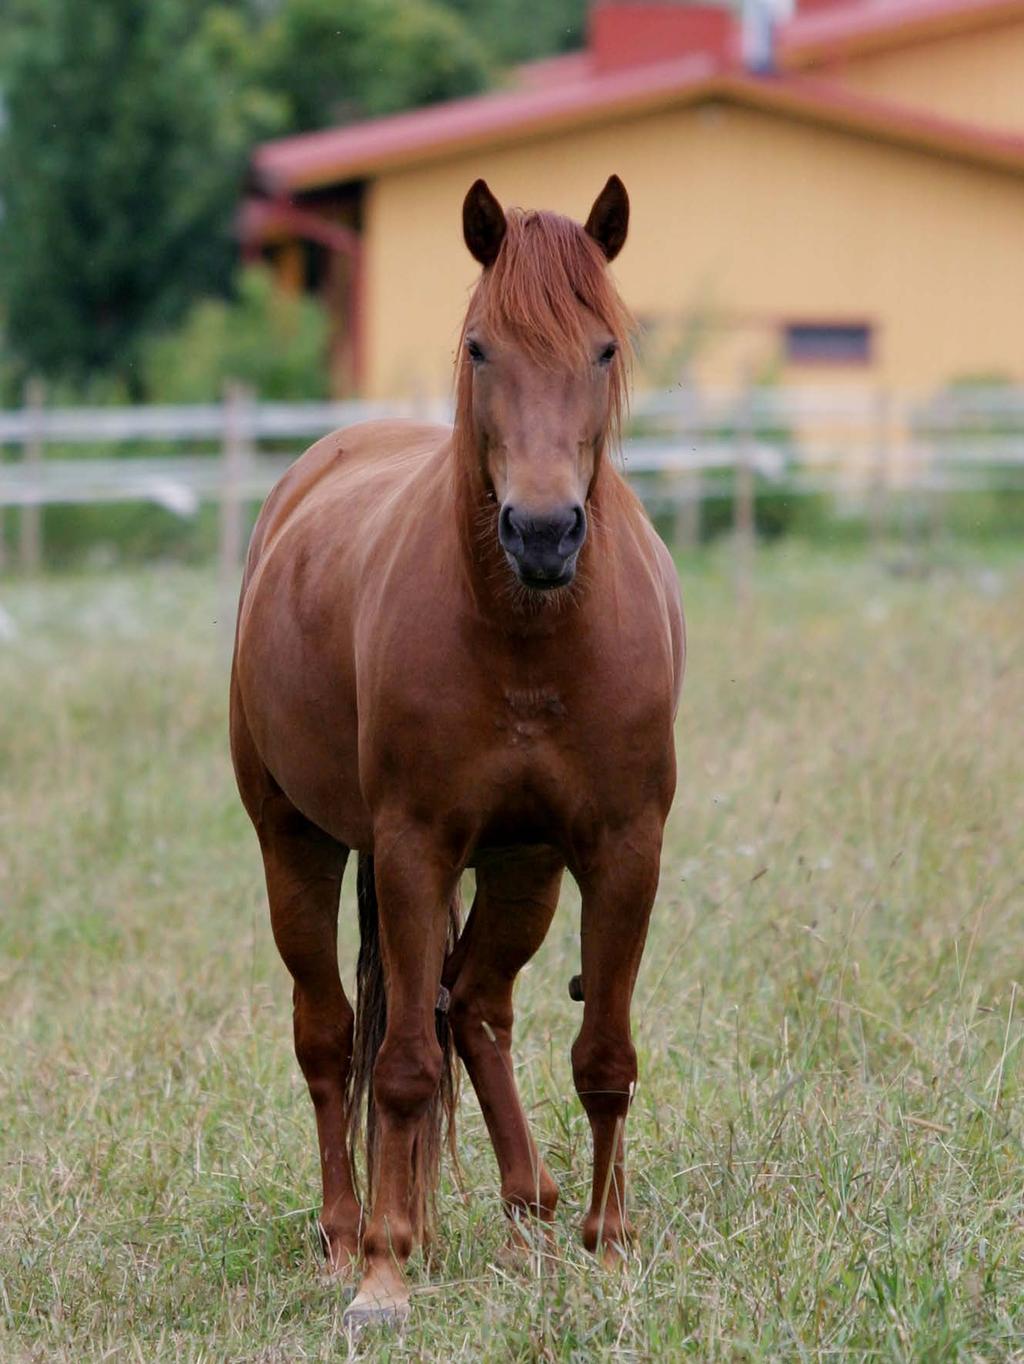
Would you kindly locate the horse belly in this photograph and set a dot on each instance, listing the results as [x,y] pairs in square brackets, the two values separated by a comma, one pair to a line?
[317,767]
[300,709]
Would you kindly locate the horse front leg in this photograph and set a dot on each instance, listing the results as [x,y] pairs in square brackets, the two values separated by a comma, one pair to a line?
[414,890]
[618,889]
[303,868]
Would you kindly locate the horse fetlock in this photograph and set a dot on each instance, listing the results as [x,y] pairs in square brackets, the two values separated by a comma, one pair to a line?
[538,1197]
[387,1244]
[608,1235]
[339,1228]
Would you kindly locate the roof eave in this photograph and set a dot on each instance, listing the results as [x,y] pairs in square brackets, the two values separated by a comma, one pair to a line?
[831,105]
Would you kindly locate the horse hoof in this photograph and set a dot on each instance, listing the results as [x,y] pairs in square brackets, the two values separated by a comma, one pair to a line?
[372,1312]
[528,1246]
[613,1256]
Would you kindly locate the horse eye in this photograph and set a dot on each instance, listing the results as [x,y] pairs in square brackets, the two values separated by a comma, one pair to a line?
[608,354]
[475,352]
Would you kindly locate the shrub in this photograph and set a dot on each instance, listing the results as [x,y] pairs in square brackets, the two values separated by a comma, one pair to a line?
[273,341]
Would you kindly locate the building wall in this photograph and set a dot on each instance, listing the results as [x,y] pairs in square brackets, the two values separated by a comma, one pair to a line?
[974,76]
[740,218]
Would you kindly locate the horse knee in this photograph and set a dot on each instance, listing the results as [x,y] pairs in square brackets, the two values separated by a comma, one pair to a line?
[406,1077]
[604,1074]
[323,1048]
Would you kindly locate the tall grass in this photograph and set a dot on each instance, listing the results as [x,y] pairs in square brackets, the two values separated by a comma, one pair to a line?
[826,1145]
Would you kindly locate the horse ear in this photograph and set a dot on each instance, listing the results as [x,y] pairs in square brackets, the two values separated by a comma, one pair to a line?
[609,218]
[483,223]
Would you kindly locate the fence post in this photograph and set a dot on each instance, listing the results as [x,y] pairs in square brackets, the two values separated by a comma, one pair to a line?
[686,531]
[234,459]
[878,485]
[30,544]
[743,491]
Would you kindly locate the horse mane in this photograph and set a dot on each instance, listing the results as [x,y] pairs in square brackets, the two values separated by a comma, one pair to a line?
[547,266]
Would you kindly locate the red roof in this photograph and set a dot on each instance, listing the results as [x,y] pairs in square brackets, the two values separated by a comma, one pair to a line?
[574,90]
[294,163]
[842,29]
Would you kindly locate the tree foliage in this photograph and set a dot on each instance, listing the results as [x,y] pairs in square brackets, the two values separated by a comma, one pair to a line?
[521,30]
[337,62]
[119,166]
[125,129]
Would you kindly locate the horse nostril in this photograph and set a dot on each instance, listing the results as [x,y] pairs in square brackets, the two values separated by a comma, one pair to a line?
[575,531]
[509,532]
[547,540]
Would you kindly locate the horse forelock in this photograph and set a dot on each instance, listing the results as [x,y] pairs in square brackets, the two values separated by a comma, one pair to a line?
[531,296]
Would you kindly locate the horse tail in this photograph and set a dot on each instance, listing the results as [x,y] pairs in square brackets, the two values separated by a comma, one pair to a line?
[370,1026]
[370,1023]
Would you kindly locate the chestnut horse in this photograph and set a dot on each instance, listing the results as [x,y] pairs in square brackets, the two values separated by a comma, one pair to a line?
[464,648]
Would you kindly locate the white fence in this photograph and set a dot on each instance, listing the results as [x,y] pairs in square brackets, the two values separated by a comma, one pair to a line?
[682,445]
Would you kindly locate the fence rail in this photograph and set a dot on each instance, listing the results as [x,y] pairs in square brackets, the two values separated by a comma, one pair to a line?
[681,446]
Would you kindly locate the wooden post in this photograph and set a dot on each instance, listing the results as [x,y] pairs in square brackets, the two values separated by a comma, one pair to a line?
[234,460]
[686,530]
[30,546]
[935,494]
[878,473]
[744,526]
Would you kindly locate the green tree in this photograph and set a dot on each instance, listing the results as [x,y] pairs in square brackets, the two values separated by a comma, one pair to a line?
[337,62]
[521,30]
[120,166]
[125,128]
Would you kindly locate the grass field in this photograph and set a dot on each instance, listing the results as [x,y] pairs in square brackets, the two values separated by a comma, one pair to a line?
[826,1144]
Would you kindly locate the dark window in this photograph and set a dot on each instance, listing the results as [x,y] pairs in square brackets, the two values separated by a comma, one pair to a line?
[828,343]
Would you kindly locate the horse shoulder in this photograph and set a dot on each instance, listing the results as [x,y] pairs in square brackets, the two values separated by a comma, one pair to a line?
[351,453]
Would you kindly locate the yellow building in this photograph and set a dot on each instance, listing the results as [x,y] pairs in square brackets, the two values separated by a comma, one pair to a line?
[858,213]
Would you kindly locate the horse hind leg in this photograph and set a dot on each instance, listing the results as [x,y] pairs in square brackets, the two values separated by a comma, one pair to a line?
[618,893]
[515,901]
[303,868]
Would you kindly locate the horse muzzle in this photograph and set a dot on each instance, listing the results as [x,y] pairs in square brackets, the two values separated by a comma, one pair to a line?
[542,549]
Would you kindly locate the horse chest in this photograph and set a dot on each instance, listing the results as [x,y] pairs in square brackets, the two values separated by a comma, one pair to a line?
[527,715]
[543,748]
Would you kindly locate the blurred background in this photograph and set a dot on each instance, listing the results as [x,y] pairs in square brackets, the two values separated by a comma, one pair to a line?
[216,213]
